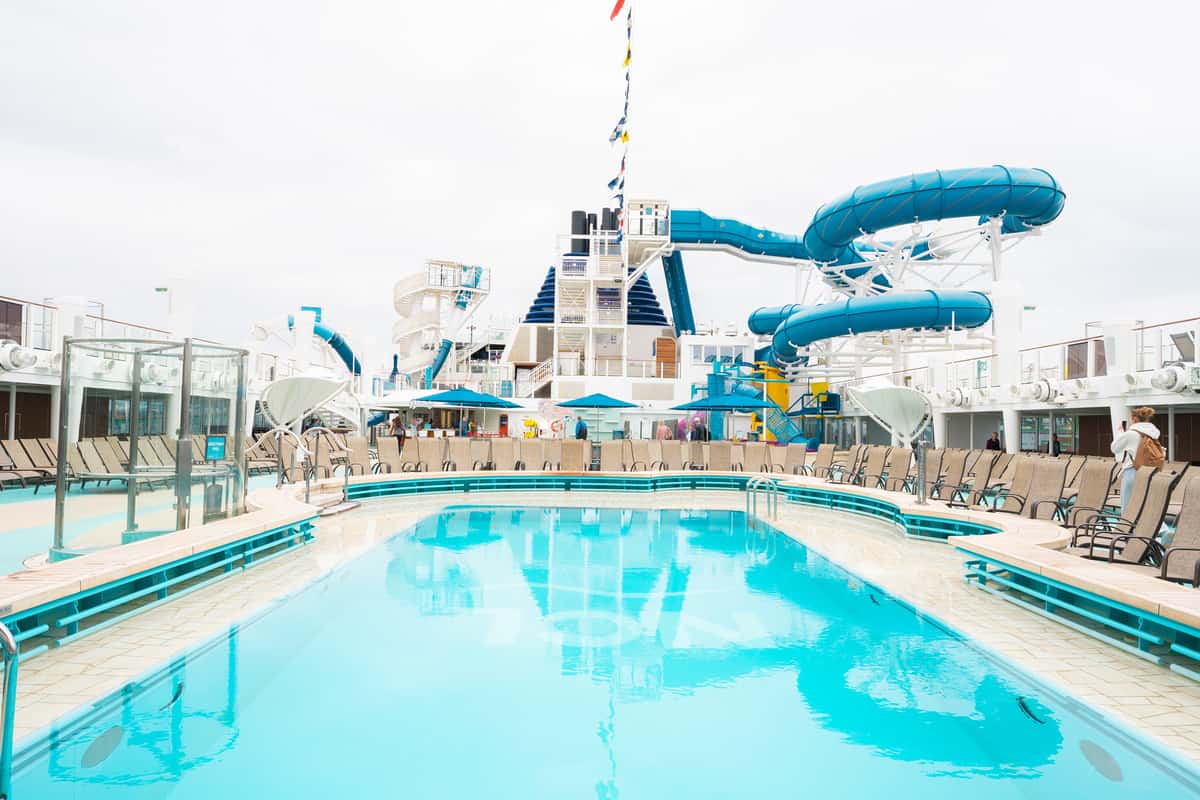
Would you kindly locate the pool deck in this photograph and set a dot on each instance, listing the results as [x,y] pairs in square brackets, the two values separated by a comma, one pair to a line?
[929,575]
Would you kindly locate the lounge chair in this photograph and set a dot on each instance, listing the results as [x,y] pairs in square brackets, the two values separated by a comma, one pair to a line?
[410,456]
[388,450]
[458,454]
[1134,542]
[612,456]
[576,455]
[481,454]
[42,456]
[949,476]
[431,451]
[1088,495]
[640,457]
[552,452]
[672,456]
[15,460]
[788,459]
[822,463]
[969,493]
[756,458]
[654,454]
[694,456]
[1017,485]
[1043,497]
[360,456]
[533,455]
[1103,524]
[847,467]
[1181,560]
[873,463]
[738,456]
[504,454]
[720,456]
[895,472]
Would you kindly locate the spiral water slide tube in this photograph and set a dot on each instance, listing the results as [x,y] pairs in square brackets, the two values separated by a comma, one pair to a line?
[1024,198]
[336,343]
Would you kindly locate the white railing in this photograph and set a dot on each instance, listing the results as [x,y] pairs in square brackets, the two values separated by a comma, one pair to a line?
[652,369]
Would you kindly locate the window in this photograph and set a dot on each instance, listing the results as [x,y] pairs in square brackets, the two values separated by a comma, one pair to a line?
[10,321]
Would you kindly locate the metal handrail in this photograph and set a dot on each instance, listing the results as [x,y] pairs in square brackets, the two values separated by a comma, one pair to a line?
[770,487]
[8,707]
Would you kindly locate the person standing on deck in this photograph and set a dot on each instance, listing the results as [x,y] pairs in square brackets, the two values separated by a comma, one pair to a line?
[1136,447]
[993,443]
[663,433]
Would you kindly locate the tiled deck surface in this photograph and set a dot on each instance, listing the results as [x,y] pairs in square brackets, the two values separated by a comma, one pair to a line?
[928,575]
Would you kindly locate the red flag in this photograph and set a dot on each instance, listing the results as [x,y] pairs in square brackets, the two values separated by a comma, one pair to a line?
[616,10]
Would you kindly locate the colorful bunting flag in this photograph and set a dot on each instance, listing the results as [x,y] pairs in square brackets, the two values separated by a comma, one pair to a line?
[621,131]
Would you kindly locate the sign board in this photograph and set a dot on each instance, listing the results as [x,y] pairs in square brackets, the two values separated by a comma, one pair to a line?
[214,449]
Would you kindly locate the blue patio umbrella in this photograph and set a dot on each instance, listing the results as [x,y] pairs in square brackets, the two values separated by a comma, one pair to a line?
[727,402]
[463,398]
[466,398]
[596,402]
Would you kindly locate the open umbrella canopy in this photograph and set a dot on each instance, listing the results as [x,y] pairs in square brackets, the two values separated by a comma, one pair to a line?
[596,400]
[465,398]
[726,402]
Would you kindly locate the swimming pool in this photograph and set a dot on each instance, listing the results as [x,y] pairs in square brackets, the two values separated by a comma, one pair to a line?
[505,652]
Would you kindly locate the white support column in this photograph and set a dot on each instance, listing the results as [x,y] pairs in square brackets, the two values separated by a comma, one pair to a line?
[1012,430]
[971,430]
[1050,435]
[74,408]
[11,433]
[939,429]
[1006,326]
[1170,433]
[1118,412]
[55,405]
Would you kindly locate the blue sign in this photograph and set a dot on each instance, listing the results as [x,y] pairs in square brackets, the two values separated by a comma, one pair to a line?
[214,449]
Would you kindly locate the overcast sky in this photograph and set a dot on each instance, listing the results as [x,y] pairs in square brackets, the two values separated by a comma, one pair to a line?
[312,152]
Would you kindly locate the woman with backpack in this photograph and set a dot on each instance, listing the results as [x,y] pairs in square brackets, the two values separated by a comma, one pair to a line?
[1137,446]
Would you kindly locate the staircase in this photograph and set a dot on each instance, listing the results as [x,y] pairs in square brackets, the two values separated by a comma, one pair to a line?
[539,376]
[783,427]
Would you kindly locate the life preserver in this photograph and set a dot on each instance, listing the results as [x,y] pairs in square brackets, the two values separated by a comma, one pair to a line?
[557,426]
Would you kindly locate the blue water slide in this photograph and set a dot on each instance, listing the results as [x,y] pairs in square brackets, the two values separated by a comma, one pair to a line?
[931,309]
[439,360]
[336,342]
[691,227]
[678,295]
[696,227]
[1025,197]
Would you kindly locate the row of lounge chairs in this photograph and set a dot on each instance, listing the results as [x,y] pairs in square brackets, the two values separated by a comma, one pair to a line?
[97,460]
[423,454]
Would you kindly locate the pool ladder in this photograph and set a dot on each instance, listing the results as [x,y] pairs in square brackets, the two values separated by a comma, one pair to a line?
[8,707]
[769,488]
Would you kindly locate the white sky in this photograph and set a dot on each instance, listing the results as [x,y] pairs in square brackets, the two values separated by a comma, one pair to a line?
[312,152]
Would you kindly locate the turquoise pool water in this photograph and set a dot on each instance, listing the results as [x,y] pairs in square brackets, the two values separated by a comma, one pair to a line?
[582,653]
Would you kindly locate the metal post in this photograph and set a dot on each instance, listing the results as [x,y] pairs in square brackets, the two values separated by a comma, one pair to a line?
[12,411]
[278,458]
[183,447]
[11,658]
[64,429]
[236,499]
[135,430]
[919,449]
